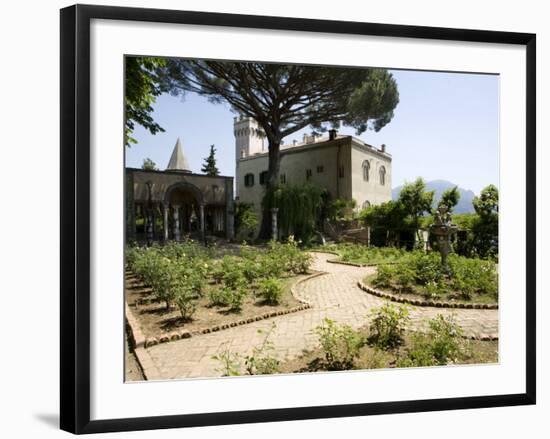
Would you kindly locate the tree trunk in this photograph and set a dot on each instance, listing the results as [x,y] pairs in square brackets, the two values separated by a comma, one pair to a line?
[274,164]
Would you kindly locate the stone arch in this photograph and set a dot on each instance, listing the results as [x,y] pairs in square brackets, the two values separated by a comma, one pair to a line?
[185,187]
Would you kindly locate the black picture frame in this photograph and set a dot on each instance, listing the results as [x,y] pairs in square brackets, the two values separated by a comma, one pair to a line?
[75,218]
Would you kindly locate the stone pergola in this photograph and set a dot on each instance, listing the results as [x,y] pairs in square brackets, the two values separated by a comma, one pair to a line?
[170,204]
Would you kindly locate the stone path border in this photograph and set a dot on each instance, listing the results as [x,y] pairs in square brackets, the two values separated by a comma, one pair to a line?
[138,344]
[352,264]
[138,339]
[417,302]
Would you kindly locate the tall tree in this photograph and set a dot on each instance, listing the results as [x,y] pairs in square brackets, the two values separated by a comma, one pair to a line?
[149,165]
[286,98]
[143,85]
[416,201]
[485,229]
[486,205]
[209,167]
[449,198]
[387,221]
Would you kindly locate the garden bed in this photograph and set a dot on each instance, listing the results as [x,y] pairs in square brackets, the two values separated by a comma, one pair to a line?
[155,320]
[421,300]
[476,352]
[421,277]
[361,255]
[387,339]
[180,289]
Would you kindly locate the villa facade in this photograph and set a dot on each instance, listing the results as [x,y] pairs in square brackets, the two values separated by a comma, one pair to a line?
[345,166]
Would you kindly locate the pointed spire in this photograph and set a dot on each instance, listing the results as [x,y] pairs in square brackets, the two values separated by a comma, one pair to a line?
[178,161]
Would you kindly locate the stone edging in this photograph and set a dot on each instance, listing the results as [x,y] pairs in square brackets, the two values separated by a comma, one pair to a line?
[140,341]
[352,264]
[417,302]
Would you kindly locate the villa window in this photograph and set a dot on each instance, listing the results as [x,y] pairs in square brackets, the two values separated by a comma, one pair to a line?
[249,180]
[263,177]
[341,171]
[282,177]
[382,176]
[366,204]
[366,170]
[308,174]
[320,169]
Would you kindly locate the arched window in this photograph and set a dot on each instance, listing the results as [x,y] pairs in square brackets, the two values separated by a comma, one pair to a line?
[382,175]
[366,204]
[366,170]
[249,180]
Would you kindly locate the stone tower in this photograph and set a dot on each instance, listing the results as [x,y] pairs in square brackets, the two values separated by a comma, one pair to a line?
[249,137]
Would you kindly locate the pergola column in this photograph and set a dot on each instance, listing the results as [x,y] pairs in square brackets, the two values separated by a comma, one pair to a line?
[165,221]
[176,212]
[274,228]
[201,219]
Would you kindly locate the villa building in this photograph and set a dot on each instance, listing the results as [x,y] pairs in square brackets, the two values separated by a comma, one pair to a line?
[345,166]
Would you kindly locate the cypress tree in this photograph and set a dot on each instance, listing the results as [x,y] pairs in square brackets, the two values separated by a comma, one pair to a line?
[209,167]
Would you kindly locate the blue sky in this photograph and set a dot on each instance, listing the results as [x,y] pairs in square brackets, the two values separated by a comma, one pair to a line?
[445,127]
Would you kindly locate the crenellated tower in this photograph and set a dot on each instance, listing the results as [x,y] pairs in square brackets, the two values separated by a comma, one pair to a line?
[249,137]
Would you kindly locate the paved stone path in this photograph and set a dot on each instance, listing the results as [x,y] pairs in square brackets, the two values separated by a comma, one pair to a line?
[334,295]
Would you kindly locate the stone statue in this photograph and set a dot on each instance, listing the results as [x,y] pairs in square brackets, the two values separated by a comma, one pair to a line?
[443,229]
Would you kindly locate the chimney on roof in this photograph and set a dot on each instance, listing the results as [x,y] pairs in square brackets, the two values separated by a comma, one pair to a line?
[332,134]
[383,147]
[294,142]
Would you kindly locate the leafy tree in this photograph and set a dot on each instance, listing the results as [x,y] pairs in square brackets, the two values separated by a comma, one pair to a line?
[486,205]
[416,201]
[485,229]
[386,221]
[286,98]
[209,167]
[300,209]
[340,209]
[149,165]
[449,198]
[245,219]
[143,84]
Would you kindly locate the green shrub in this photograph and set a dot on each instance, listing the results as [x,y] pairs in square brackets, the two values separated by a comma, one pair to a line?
[246,220]
[271,290]
[441,344]
[422,273]
[340,344]
[229,363]
[363,254]
[262,361]
[388,325]
[185,300]
[233,297]
[384,276]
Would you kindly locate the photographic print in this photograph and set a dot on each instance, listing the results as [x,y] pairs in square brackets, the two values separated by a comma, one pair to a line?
[288,218]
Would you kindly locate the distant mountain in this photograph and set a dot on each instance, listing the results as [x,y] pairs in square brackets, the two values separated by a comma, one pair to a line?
[466,196]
